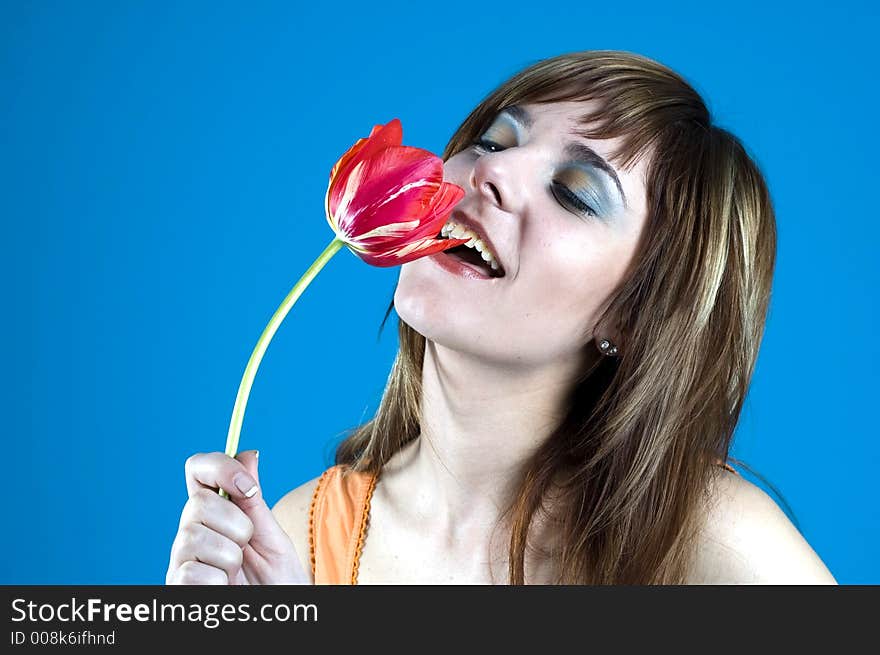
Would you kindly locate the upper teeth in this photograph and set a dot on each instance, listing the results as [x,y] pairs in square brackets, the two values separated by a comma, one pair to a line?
[456,231]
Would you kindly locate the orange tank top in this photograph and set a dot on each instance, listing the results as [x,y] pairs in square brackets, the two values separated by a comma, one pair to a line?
[338,519]
[337,523]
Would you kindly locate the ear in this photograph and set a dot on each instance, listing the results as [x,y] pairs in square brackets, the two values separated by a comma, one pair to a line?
[607,338]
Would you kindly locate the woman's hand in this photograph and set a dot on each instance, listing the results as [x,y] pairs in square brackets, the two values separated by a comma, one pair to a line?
[230,541]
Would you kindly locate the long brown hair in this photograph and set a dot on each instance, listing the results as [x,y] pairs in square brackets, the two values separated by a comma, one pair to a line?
[633,459]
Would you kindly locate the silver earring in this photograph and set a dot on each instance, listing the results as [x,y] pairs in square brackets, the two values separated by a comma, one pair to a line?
[607,347]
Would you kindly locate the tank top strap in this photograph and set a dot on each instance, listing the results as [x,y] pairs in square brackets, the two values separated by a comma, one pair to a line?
[338,520]
[727,466]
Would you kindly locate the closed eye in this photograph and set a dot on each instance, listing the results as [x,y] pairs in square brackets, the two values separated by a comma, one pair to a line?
[573,199]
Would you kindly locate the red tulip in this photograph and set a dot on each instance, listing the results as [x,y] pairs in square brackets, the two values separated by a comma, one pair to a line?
[387,203]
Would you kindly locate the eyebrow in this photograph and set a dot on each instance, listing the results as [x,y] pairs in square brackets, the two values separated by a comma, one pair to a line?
[578,151]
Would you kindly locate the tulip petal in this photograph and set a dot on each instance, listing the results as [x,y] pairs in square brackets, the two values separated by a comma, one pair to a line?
[390,230]
[343,161]
[381,137]
[410,252]
[445,199]
[396,183]
[438,213]
[351,152]
[347,194]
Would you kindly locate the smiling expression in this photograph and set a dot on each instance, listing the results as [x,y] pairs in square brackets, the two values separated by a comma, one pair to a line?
[565,223]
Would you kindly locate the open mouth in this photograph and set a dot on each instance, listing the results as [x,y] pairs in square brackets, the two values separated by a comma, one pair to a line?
[473,257]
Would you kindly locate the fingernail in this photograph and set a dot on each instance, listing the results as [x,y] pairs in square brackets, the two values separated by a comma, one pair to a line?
[245,484]
[256,454]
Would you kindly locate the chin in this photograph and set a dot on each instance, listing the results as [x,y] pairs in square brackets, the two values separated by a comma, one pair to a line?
[420,306]
[436,310]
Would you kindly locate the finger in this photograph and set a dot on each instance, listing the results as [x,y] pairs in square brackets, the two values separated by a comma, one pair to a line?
[209,509]
[265,524]
[219,471]
[191,573]
[199,543]
[250,459]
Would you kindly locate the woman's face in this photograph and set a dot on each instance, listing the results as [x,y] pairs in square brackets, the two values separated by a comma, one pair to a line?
[562,228]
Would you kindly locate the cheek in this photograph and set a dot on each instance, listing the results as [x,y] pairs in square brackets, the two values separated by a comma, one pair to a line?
[571,283]
[457,169]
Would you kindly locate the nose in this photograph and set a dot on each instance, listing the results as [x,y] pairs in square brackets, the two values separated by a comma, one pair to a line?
[495,180]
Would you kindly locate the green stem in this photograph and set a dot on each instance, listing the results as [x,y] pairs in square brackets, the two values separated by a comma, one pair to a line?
[250,371]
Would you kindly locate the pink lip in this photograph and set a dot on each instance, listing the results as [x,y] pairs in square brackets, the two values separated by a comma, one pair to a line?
[462,269]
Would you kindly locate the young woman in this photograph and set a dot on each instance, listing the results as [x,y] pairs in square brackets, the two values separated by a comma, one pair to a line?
[565,393]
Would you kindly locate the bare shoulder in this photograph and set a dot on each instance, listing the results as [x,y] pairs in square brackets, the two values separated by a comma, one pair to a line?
[748,539]
[292,513]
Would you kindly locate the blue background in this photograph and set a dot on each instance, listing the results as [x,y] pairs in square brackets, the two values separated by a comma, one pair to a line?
[163,169]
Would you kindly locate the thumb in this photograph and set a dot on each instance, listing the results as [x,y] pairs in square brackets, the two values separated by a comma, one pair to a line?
[265,525]
[250,459]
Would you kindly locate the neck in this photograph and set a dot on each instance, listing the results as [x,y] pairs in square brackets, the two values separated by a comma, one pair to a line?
[480,423]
